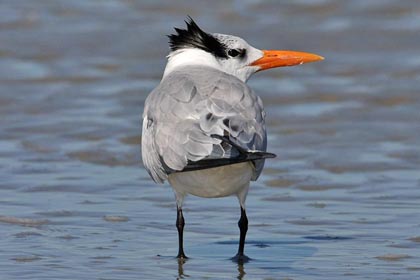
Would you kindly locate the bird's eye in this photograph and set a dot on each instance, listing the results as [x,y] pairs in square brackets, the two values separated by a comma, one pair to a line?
[233,53]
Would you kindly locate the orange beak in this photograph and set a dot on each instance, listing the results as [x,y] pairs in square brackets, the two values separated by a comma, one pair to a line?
[272,59]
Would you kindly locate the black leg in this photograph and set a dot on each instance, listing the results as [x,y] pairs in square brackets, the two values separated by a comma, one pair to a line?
[180,226]
[243,227]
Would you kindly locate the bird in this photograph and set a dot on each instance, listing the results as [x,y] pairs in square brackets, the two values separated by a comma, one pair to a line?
[203,127]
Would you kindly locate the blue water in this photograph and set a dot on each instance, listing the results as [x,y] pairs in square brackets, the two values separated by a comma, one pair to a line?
[341,200]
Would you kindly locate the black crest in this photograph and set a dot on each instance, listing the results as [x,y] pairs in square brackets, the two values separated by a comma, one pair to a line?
[194,37]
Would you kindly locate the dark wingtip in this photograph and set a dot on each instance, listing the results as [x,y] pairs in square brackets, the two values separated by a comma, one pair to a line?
[251,154]
[269,155]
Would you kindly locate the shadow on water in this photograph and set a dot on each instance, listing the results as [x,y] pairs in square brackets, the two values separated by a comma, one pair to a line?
[268,257]
[182,275]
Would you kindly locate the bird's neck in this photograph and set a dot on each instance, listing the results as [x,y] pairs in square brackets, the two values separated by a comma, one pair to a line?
[190,57]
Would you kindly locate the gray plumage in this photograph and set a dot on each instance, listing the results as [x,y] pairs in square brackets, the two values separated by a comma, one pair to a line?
[189,106]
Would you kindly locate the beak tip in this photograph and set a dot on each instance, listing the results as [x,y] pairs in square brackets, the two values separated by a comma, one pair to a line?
[316,58]
[313,58]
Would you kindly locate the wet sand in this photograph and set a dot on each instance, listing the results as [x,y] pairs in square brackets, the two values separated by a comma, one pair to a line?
[341,200]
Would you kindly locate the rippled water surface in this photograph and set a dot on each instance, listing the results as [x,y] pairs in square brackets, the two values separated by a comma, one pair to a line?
[341,200]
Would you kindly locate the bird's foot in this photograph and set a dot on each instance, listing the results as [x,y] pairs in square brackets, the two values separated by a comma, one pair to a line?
[240,258]
[181,256]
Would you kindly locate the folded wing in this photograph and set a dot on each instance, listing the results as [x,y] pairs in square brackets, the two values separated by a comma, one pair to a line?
[200,118]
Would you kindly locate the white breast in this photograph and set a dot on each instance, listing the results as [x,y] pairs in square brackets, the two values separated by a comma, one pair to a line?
[213,182]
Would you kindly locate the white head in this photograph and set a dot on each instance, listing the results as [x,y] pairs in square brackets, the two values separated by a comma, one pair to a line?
[227,53]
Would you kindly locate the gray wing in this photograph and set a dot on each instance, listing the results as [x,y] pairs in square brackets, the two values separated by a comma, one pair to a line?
[200,114]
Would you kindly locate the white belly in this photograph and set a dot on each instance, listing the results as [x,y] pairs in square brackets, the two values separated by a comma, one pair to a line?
[213,182]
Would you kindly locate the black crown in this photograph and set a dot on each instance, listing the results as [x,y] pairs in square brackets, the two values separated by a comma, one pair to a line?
[194,37]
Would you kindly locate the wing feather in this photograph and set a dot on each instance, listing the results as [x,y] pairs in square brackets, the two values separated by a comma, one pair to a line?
[189,106]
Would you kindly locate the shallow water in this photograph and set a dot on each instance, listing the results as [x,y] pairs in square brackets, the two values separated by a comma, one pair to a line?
[341,200]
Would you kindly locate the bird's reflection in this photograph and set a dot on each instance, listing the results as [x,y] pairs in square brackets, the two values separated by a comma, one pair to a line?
[241,271]
[182,275]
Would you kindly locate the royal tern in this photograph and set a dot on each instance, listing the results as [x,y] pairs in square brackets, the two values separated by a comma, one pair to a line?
[203,127]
